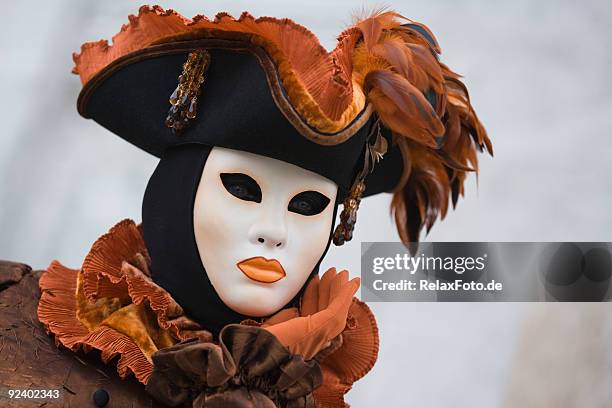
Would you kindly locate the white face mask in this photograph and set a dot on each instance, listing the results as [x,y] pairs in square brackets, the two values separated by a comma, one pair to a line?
[261,225]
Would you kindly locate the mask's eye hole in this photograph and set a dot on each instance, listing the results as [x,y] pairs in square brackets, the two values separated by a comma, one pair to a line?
[308,203]
[241,186]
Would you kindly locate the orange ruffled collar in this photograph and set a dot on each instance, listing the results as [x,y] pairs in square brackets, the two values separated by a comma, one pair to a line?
[112,305]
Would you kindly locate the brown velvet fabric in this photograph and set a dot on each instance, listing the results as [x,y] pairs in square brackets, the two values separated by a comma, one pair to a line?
[29,359]
[249,368]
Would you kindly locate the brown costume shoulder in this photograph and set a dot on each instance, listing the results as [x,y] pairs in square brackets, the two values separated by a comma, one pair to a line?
[29,359]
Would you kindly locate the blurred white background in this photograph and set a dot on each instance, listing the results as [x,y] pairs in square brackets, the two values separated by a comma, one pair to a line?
[540,78]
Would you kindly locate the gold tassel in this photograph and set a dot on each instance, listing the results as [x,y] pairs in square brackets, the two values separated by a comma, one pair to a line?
[376,147]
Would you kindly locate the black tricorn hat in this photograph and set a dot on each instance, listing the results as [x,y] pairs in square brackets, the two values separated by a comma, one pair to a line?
[378,113]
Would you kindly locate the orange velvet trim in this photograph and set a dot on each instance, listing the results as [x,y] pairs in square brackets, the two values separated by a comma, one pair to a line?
[92,314]
[133,321]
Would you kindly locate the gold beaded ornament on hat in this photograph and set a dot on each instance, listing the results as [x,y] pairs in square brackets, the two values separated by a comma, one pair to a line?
[184,99]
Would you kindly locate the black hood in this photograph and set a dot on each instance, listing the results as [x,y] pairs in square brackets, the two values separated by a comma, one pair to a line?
[167,219]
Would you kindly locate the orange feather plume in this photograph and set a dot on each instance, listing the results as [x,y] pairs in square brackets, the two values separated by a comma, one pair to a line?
[428,110]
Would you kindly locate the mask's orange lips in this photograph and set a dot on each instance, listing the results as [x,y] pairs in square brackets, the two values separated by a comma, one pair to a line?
[261,269]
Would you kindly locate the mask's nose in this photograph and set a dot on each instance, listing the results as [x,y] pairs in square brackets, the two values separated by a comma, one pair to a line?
[270,229]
